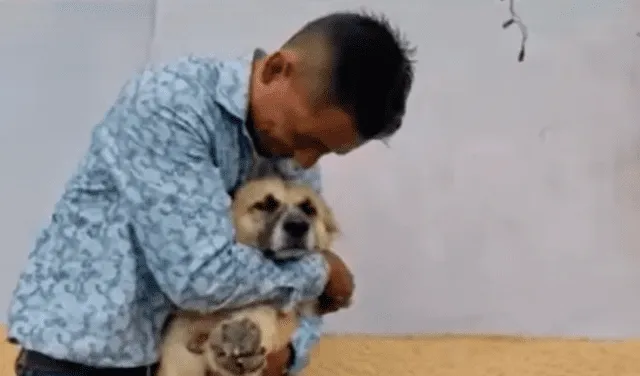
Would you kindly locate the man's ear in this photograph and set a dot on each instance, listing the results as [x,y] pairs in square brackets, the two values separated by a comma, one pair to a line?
[279,64]
[197,342]
[275,66]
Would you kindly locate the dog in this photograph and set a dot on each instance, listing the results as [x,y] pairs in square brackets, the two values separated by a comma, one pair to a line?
[286,221]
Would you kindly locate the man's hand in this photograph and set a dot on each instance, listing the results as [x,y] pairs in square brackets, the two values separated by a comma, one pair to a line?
[339,289]
[278,362]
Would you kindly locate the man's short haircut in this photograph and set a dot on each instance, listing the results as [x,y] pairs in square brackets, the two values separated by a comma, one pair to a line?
[370,68]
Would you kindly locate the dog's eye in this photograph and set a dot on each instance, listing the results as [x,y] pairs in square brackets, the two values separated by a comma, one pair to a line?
[269,204]
[307,208]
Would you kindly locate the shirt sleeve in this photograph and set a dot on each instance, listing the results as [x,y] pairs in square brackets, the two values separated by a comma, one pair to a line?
[307,336]
[180,209]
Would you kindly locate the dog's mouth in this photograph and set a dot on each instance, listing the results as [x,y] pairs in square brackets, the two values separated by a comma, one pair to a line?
[286,254]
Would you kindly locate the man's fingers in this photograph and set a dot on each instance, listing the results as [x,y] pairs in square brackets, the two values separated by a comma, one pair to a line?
[329,305]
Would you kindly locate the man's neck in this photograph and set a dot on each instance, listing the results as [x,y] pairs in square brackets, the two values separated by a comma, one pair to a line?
[260,149]
[259,146]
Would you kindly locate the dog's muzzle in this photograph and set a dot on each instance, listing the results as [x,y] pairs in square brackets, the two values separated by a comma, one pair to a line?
[296,228]
[290,236]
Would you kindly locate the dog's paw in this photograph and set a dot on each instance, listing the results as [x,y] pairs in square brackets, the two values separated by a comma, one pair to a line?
[237,346]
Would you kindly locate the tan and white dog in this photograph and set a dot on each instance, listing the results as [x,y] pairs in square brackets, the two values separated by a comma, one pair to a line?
[285,220]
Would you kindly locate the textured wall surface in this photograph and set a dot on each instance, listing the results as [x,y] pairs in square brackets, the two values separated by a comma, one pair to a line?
[509,202]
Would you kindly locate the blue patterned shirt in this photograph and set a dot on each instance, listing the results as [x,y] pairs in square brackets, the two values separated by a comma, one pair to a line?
[144,224]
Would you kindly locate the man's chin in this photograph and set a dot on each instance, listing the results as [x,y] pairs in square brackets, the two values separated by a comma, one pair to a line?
[306,158]
[273,147]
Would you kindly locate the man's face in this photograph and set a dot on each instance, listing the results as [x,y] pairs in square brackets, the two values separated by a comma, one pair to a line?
[287,122]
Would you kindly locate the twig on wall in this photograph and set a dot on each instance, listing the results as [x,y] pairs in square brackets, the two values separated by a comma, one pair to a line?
[515,19]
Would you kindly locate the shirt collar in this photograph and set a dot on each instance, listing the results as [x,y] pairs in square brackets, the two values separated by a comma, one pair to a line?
[233,92]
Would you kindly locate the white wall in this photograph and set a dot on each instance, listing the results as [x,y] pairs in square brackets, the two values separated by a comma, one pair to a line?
[61,65]
[510,201]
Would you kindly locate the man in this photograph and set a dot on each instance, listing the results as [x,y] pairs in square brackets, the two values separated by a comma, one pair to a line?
[144,225]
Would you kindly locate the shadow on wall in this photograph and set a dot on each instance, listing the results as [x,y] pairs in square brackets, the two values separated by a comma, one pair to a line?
[498,208]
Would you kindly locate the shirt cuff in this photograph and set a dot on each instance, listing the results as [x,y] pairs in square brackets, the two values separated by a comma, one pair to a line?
[303,341]
[312,274]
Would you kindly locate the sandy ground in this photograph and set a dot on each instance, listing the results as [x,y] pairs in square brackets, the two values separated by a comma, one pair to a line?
[473,356]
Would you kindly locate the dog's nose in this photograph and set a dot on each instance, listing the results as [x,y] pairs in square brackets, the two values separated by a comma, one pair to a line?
[296,228]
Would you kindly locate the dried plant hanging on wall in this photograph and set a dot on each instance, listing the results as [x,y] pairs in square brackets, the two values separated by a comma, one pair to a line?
[515,19]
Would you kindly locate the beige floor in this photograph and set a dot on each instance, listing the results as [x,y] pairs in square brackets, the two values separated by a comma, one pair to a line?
[473,356]
[457,356]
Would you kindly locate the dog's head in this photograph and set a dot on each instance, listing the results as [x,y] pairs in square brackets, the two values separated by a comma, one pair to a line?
[285,219]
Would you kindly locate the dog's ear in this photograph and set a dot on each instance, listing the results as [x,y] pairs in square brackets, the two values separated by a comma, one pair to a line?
[197,342]
[330,223]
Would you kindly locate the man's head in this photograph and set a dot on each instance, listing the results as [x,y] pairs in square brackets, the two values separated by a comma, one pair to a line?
[340,81]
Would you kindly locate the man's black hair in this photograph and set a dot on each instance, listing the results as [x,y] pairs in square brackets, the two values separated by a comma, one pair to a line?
[371,68]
